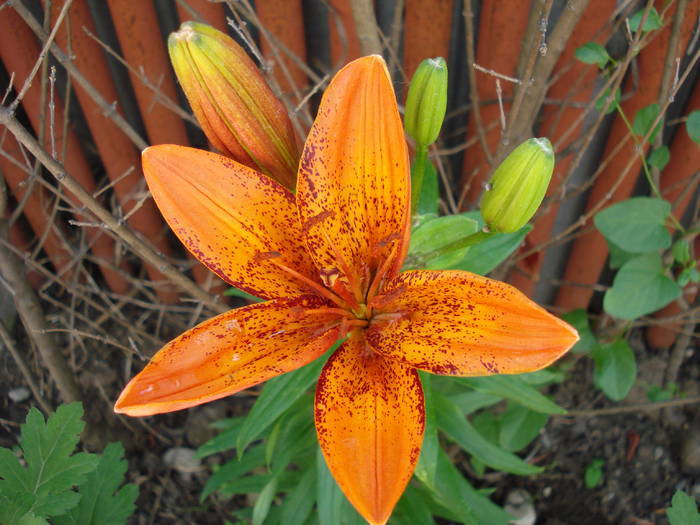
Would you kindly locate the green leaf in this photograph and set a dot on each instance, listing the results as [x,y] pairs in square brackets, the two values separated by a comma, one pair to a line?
[681,252]
[471,401]
[636,225]
[455,425]
[102,502]
[298,504]
[683,510]
[515,389]
[429,194]
[692,126]
[52,470]
[618,256]
[689,274]
[230,472]
[330,498]
[519,426]
[659,158]
[601,102]
[224,440]
[615,369]
[579,320]
[652,22]
[644,120]
[640,288]
[593,474]
[427,462]
[413,509]
[441,231]
[277,396]
[482,258]
[235,292]
[593,53]
[262,505]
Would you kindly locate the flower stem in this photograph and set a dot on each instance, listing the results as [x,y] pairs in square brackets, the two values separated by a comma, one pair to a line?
[420,259]
[417,175]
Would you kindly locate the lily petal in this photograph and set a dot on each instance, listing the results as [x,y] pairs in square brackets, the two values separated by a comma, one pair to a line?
[353,184]
[228,353]
[238,222]
[459,323]
[370,417]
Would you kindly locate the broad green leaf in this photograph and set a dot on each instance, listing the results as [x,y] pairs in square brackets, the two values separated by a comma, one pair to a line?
[618,256]
[692,126]
[640,288]
[681,251]
[455,425]
[652,22]
[593,474]
[683,510]
[277,396]
[515,389]
[298,504]
[644,120]
[52,470]
[519,426]
[482,258]
[427,462]
[430,193]
[615,369]
[636,225]
[659,158]
[32,519]
[602,103]
[102,502]
[438,233]
[593,53]
[328,494]
[579,320]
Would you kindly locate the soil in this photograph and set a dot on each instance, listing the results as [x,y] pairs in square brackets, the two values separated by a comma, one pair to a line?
[641,451]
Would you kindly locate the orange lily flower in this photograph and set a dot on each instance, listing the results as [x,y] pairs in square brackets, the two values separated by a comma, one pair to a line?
[327,261]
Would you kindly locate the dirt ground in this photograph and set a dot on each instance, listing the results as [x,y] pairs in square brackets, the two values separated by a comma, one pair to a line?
[641,451]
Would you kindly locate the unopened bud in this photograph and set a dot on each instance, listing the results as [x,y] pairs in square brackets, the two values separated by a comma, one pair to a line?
[232,102]
[427,101]
[518,186]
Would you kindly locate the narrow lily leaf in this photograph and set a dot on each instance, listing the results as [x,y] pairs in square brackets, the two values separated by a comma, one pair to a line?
[413,509]
[427,463]
[519,426]
[235,292]
[471,401]
[328,494]
[465,325]
[297,504]
[224,440]
[440,232]
[262,505]
[233,470]
[515,389]
[276,397]
[640,288]
[484,257]
[454,424]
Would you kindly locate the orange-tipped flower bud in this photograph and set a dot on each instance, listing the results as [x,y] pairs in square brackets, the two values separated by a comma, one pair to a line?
[234,105]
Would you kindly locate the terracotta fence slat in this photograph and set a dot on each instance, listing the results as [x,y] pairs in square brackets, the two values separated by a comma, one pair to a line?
[427,31]
[589,251]
[502,25]
[285,20]
[576,84]
[37,209]
[210,12]
[679,182]
[19,50]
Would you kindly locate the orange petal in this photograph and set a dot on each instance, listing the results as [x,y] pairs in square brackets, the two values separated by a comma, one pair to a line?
[228,353]
[369,420]
[238,222]
[353,185]
[459,323]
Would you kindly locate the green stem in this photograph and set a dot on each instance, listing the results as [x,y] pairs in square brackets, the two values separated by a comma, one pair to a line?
[417,175]
[418,260]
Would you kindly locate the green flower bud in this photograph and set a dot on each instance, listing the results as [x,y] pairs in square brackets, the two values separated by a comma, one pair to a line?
[518,186]
[427,101]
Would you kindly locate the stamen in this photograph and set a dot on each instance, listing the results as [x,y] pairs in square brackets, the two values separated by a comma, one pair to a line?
[320,289]
[355,285]
[381,273]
